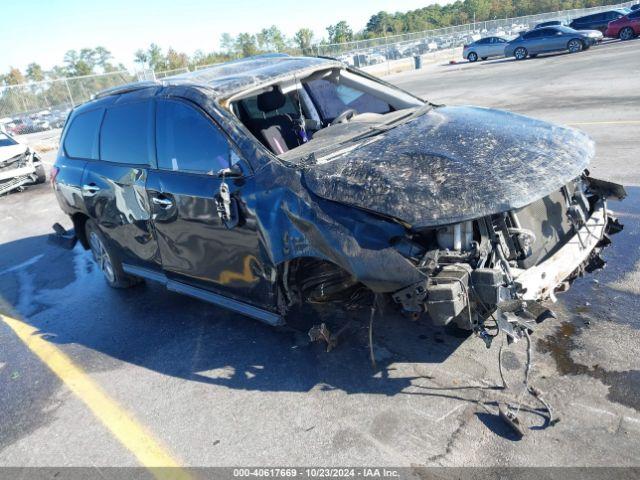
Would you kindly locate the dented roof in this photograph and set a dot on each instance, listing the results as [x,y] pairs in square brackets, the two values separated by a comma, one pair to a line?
[232,77]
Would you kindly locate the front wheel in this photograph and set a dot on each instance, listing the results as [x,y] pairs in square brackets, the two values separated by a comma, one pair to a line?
[472,57]
[575,46]
[520,53]
[627,33]
[107,258]
[41,175]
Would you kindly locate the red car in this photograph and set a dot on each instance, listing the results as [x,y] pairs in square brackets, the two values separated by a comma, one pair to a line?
[625,28]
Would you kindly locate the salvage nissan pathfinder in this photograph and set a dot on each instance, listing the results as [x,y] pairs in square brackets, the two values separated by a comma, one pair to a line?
[273,180]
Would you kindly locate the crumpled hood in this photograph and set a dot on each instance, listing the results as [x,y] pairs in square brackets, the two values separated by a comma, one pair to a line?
[454,164]
[11,151]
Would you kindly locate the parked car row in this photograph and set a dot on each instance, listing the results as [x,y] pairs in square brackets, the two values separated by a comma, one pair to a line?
[553,36]
[35,122]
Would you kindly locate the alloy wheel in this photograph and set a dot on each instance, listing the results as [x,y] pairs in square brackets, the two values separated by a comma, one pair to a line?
[101,256]
[575,46]
[520,53]
[626,34]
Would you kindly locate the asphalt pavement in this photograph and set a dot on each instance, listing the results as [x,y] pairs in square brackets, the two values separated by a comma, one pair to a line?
[95,377]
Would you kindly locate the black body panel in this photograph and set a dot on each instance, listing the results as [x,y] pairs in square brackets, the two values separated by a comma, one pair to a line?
[121,209]
[197,248]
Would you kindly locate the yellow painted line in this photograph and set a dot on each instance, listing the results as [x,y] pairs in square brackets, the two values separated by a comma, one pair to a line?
[121,424]
[615,122]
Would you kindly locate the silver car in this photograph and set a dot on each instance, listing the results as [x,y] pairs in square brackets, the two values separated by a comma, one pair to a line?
[484,48]
[551,39]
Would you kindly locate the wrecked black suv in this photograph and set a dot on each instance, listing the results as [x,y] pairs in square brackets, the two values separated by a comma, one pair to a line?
[275,180]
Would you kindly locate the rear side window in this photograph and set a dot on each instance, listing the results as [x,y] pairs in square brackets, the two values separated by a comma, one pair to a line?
[333,99]
[125,134]
[187,141]
[81,139]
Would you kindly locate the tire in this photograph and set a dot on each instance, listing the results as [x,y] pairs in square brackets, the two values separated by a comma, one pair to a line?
[107,259]
[626,33]
[472,57]
[575,46]
[41,175]
[520,53]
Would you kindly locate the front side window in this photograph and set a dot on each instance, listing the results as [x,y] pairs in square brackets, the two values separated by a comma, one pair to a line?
[332,99]
[125,133]
[81,139]
[187,141]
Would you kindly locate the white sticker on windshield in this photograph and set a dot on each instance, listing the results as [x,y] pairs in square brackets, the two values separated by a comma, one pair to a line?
[174,163]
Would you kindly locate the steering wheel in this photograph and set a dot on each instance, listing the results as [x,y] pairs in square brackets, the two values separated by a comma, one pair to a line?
[344,117]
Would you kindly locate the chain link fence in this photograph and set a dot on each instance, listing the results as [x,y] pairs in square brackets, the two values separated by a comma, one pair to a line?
[43,106]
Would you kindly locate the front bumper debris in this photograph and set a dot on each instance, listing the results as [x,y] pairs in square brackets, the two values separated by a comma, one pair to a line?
[539,282]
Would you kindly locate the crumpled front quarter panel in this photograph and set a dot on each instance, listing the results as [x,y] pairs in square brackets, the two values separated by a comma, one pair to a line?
[454,164]
[293,223]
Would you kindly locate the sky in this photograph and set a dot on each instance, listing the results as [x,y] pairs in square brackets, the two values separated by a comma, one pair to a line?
[43,30]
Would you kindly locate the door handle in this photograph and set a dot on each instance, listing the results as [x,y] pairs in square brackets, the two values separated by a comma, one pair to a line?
[90,189]
[162,202]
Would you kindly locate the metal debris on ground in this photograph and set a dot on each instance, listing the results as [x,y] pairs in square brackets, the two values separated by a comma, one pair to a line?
[322,333]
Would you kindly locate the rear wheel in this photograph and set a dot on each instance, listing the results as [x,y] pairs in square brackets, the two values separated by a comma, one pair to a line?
[575,46]
[520,53]
[472,57]
[107,259]
[626,33]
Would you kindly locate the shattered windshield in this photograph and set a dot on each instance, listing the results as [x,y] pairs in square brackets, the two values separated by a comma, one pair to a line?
[322,112]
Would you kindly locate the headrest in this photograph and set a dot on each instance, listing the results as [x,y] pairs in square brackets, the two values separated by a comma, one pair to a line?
[271,100]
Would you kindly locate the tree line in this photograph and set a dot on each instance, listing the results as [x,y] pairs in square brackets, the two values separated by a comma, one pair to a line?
[87,61]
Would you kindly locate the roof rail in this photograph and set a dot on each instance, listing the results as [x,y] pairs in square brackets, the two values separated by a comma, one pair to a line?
[127,87]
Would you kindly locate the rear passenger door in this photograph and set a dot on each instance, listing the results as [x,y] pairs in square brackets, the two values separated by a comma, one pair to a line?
[113,187]
[197,248]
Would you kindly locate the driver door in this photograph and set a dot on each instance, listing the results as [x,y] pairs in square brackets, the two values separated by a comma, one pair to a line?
[197,247]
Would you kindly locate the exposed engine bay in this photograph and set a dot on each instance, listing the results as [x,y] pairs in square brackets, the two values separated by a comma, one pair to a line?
[489,275]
